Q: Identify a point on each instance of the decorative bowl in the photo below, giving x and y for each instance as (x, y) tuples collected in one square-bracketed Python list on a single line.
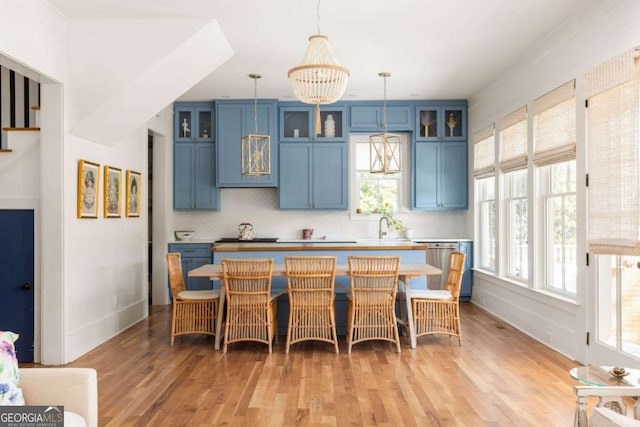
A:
[(618, 373), (184, 234)]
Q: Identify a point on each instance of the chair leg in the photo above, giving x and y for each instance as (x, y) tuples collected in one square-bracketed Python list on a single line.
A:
[(332, 319), (351, 314), (288, 343), (226, 332), (395, 333), (173, 323), (272, 327)]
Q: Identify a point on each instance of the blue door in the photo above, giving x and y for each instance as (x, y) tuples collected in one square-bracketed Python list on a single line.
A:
[(16, 278)]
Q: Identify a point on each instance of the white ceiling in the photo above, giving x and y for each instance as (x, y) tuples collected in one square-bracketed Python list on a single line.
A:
[(434, 49)]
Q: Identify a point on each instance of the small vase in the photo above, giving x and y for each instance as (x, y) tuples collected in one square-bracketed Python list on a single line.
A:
[(329, 127)]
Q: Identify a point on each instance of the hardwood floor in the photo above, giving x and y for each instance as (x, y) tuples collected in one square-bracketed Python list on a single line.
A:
[(499, 377)]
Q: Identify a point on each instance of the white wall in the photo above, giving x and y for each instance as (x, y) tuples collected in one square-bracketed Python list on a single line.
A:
[(20, 169), (91, 274), (40, 49), (105, 258), (590, 38)]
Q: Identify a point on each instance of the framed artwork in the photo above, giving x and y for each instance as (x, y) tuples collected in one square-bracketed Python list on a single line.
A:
[(112, 191), (134, 190), (88, 185)]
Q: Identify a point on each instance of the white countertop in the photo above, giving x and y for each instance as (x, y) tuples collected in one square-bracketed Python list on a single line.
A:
[(344, 240)]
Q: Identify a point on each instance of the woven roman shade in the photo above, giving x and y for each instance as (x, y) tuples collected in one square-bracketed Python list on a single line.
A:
[(555, 125), (513, 141), (484, 152), (612, 90)]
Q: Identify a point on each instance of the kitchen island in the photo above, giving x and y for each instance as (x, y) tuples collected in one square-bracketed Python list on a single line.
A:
[(409, 253), (405, 275)]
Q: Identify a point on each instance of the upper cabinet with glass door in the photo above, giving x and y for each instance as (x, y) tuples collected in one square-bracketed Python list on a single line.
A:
[(193, 121), (298, 123), (440, 121)]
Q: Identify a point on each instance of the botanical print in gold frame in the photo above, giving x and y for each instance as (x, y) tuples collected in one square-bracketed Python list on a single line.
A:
[(112, 192), (88, 185), (134, 190)]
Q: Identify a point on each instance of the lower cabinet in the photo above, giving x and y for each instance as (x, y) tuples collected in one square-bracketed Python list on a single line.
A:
[(194, 185), (467, 275), (313, 176), (439, 176), (194, 255)]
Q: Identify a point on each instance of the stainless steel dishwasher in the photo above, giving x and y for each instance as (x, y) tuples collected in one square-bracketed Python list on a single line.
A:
[(438, 255)]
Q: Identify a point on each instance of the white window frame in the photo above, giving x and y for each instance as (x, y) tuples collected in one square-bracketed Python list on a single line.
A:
[(483, 204), (402, 178), (547, 231), (510, 202)]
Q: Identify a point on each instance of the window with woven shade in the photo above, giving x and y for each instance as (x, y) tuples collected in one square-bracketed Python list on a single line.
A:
[(484, 172), (613, 93), (484, 149), (513, 141), (513, 163), (554, 126)]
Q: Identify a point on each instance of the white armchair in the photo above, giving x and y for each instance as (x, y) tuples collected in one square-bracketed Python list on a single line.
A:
[(75, 388)]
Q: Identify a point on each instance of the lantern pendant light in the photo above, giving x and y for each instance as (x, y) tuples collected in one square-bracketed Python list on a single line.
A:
[(384, 148), (256, 149), (319, 79)]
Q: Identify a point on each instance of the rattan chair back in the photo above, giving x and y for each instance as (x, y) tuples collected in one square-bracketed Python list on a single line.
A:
[(176, 278), (311, 286), (251, 312), (371, 306), (456, 269)]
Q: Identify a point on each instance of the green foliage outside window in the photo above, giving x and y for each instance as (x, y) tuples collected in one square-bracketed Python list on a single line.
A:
[(379, 195)]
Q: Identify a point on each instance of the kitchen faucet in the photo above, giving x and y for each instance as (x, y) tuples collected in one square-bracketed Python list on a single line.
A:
[(380, 232)]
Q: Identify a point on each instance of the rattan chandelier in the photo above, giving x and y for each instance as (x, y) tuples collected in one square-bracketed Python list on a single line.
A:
[(384, 148), (319, 79), (256, 149)]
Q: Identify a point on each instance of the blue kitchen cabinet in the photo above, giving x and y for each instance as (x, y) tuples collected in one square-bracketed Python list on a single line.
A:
[(439, 176), (193, 122), (194, 157), (441, 121), (370, 116), (194, 177), (194, 255), (313, 176), (467, 275), (298, 123), (234, 119)]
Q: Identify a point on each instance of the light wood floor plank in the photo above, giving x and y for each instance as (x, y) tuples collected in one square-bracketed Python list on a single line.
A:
[(498, 377)]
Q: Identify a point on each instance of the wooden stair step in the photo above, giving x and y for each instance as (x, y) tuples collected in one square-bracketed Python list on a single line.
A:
[(20, 129), (5, 150)]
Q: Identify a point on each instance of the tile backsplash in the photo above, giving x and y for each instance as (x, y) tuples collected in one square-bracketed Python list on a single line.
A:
[(259, 206)]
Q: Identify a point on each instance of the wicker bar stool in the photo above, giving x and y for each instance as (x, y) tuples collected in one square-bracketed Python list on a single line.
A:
[(371, 305), (194, 312), (438, 311), (311, 285), (251, 308)]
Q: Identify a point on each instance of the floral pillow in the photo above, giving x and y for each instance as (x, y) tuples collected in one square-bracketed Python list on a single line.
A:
[(10, 392)]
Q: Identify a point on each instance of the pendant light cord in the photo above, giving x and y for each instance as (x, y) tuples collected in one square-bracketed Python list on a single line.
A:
[(255, 104), (318, 16), (384, 107)]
